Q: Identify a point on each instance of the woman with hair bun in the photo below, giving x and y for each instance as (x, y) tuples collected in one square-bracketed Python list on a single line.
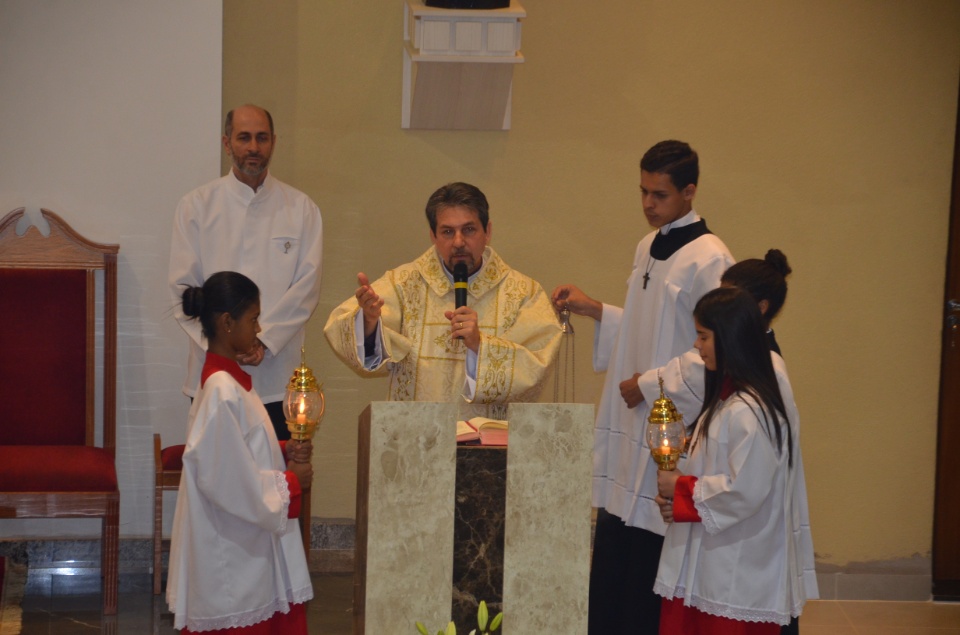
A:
[(237, 564), (766, 281)]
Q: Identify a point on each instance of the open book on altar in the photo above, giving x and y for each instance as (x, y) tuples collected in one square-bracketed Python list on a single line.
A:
[(482, 431)]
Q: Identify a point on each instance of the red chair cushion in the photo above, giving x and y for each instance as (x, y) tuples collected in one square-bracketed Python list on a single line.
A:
[(171, 458), (56, 468)]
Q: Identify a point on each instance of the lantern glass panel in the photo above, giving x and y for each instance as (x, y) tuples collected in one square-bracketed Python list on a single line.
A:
[(308, 404)]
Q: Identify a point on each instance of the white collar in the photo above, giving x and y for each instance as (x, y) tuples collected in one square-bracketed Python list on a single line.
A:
[(689, 218), (250, 191)]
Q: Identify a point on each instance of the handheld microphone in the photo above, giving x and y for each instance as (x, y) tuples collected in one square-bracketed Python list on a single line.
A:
[(460, 284)]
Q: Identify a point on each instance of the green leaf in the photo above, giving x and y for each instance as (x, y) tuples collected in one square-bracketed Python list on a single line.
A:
[(422, 629), (495, 624), (451, 629), (482, 616)]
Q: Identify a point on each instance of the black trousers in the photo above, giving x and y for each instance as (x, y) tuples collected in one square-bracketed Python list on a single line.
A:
[(625, 563)]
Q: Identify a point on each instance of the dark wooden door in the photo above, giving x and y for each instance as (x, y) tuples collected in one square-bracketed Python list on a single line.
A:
[(946, 515)]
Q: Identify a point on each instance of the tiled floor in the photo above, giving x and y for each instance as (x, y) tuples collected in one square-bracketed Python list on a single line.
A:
[(837, 617), (62, 604)]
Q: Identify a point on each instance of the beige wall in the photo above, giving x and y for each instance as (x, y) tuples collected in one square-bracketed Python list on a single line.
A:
[(824, 128)]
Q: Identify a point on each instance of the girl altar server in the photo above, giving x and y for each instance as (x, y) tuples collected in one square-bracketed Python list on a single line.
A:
[(236, 560), (732, 562)]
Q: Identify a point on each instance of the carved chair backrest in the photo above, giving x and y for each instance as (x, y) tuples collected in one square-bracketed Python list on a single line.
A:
[(49, 345)]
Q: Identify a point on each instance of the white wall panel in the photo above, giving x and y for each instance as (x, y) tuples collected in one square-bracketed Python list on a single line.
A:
[(110, 113)]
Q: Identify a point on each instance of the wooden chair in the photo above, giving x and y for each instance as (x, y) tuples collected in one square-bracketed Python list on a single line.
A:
[(51, 465), (167, 465)]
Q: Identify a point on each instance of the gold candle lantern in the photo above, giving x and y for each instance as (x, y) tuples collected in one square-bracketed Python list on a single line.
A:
[(666, 434), (303, 404)]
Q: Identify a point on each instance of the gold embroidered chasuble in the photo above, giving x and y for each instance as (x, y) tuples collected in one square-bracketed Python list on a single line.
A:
[(519, 334)]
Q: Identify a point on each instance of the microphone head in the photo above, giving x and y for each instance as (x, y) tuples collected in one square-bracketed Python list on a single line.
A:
[(460, 272)]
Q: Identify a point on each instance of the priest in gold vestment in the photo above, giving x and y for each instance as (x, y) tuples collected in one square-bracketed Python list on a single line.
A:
[(495, 350)]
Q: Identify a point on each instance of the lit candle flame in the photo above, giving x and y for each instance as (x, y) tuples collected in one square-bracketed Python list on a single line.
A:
[(302, 416)]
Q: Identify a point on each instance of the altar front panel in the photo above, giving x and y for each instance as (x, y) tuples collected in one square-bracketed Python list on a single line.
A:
[(546, 567), (405, 501)]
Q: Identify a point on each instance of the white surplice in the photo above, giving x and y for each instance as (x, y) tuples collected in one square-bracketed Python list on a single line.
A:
[(654, 326), (683, 381), (235, 557), (751, 557)]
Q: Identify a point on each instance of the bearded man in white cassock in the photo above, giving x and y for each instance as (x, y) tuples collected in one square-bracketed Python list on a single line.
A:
[(494, 350)]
